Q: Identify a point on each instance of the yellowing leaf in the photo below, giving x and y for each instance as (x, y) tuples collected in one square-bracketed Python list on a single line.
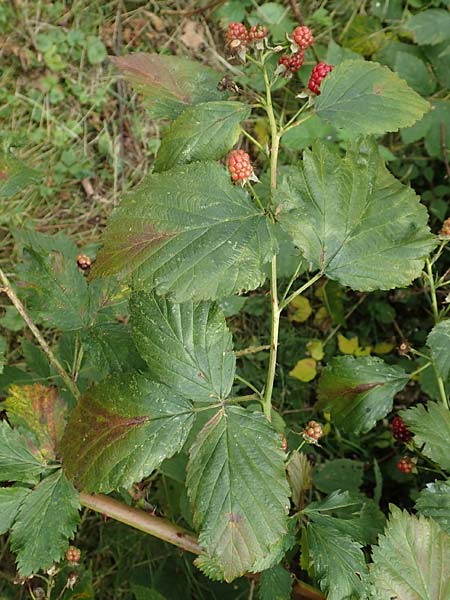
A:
[(383, 348), (315, 348), (261, 131), (305, 370), (363, 351), (40, 413), (302, 308), (321, 316), (348, 346)]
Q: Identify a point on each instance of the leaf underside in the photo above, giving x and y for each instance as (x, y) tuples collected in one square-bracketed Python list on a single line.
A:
[(353, 220)]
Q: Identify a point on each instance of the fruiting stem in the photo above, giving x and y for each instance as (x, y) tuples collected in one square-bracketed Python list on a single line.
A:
[(8, 290), (436, 316), (275, 325)]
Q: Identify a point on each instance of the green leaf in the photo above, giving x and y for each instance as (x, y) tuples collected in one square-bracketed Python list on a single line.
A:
[(430, 128), (202, 132), (3, 348), (186, 345), (352, 515), (96, 51), (17, 462), (431, 428), (169, 84), (238, 490), (339, 474), (337, 562), (434, 502), (46, 520), (121, 430), (11, 499), (359, 391), (40, 413), (275, 584), (15, 176), (275, 17), (353, 219), (58, 292), (430, 27), (415, 72), (439, 343), (188, 232), (412, 559), (366, 97)]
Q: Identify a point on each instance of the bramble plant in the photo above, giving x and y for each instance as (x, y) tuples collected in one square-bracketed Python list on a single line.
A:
[(222, 210)]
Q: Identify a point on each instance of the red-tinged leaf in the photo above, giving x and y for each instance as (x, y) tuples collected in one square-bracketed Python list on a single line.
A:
[(169, 84), (39, 413), (121, 430)]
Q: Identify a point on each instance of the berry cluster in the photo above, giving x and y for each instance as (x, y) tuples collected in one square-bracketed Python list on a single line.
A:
[(239, 165), (238, 38), (405, 465), (399, 430), (313, 431), (318, 74), (302, 38), (291, 64)]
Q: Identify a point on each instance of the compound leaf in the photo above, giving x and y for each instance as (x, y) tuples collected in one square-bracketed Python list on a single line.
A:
[(412, 559), (169, 84), (353, 220), (203, 132), (121, 430), (439, 342), (337, 562), (38, 412), (47, 519), (366, 97), (10, 500), (434, 502), (17, 461), (359, 391), (238, 490), (431, 429), (190, 233), (187, 345)]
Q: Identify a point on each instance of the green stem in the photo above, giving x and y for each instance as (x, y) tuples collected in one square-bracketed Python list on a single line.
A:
[(249, 385), (253, 140), (292, 279), (302, 289), (255, 196), (436, 316), (297, 123), (420, 369), (275, 145)]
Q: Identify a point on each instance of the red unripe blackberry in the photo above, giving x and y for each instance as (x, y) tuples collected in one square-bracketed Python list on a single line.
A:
[(73, 554), (84, 262), (313, 430), (303, 37), (292, 63), (318, 74), (399, 430), (405, 465), (239, 165), (445, 230), (257, 32), (284, 444), (237, 36)]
